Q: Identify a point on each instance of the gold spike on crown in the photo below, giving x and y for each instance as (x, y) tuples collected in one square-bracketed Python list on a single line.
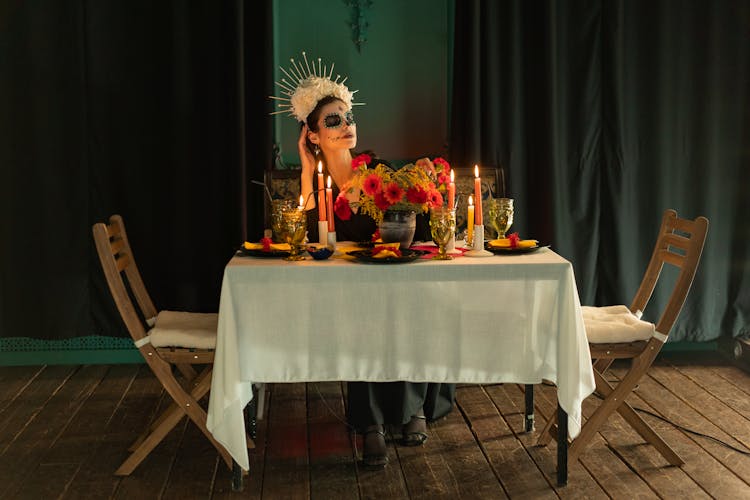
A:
[(307, 85)]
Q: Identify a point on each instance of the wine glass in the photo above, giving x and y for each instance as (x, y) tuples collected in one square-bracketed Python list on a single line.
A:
[(442, 227), (293, 230), (501, 215)]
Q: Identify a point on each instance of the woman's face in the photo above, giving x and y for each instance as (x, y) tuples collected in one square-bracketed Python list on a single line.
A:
[(336, 128)]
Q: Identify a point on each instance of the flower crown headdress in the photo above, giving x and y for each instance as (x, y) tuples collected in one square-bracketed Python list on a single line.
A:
[(307, 86)]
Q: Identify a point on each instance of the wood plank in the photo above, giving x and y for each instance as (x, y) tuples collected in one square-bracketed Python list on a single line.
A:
[(468, 465), (333, 471), (286, 468), (509, 400), (152, 475), (22, 456), (514, 467), (645, 460), (61, 462), (95, 478), (719, 420), (194, 468), (29, 402), (715, 478), (13, 381)]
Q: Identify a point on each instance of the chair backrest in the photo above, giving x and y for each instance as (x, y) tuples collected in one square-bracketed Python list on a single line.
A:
[(680, 243), (282, 185), (117, 259), (464, 179)]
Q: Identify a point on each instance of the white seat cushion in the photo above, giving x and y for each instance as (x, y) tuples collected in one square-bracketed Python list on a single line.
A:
[(613, 324), (185, 329)]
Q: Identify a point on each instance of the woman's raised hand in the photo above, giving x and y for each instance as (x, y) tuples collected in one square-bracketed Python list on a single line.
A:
[(307, 159), (426, 165)]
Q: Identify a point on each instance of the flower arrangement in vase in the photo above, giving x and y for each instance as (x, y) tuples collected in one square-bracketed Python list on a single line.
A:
[(415, 187)]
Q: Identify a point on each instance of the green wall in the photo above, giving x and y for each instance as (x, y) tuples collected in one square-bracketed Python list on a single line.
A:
[(401, 72)]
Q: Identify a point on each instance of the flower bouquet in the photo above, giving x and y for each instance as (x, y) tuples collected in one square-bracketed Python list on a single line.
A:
[(414, 187)]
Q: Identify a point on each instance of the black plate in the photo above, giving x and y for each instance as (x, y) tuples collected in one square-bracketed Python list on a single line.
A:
[(406, 256), (507, 251), (262, 253)]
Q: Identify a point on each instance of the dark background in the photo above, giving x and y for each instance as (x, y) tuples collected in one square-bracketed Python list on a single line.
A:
[(603, 114)]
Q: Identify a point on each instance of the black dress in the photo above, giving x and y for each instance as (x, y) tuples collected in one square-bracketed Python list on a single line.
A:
[(386, 403)]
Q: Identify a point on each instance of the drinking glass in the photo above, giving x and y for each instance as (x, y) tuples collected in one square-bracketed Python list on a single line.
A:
[(500, 211), (278, 207), (442, 227), (293, 229)]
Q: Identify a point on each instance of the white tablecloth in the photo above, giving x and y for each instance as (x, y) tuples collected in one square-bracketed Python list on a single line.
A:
[(472, 320)]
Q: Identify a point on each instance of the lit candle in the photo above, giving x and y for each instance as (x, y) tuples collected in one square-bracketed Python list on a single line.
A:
[(470, 222), (301, 203), (329, 204), (478, 197), (451, 192), (321, 194)]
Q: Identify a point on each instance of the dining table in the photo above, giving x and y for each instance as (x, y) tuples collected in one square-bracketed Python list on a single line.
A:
[(507, 318)]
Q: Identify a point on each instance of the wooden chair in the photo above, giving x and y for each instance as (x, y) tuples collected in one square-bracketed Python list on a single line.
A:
[(282, 185), (618, 332), (464, 179), (168, 340)]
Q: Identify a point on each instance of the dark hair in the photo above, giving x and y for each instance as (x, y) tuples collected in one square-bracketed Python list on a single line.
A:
[(312, 118)]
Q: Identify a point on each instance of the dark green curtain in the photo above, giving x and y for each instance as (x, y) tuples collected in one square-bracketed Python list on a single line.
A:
[(605, 113), (136, 108)]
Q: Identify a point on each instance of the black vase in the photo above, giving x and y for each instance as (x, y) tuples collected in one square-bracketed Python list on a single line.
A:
[(398, 226)]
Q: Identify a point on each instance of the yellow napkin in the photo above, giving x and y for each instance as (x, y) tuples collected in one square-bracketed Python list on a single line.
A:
[(505, 243), (282, 247), (387, 250)]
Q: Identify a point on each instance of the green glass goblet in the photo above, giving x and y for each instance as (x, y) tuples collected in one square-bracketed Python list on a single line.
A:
[(500, 211), (442, 228), (293, 230)]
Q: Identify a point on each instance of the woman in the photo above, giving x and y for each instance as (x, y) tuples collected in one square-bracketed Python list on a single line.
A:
[(328, 134)]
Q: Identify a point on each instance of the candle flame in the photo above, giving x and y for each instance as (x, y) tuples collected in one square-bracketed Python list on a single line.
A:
[(329, 182), (471, 201), (320, 167), (452, 177), (476, 171), (301, 200)]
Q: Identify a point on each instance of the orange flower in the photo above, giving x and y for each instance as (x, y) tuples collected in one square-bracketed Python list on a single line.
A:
[(372, 185)]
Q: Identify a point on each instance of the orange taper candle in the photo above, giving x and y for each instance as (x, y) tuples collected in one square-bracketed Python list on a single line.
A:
[(329, 203), (321, 194), (477, 197)]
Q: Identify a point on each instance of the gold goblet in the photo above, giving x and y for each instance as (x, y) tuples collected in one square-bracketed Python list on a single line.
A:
[(293, 230), (278, 207), (442, 227), (501, 215)]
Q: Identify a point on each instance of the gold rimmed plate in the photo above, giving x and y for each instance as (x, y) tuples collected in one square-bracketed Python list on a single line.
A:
[(407, 255), (270, 254), (512, 251)]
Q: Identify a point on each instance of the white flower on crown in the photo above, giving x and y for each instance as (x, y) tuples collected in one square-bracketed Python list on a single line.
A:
[(314, 88), (307, 85)]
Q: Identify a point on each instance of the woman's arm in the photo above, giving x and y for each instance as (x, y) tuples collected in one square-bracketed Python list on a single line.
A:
[(308, 169)]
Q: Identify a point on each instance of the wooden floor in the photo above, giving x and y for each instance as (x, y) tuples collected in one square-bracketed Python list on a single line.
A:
[(65, 429)]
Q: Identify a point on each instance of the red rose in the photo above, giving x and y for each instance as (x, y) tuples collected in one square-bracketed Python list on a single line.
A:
[(442, 162), (266, 242), (513, 240), (342, 208), (360, 159)]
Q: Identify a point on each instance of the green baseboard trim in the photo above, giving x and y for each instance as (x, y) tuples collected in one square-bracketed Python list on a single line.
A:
[(93, 349), (686, 346)]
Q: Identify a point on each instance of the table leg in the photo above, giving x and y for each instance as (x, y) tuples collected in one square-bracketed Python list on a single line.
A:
[(562, 446), (529, 396), (237, 483)]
